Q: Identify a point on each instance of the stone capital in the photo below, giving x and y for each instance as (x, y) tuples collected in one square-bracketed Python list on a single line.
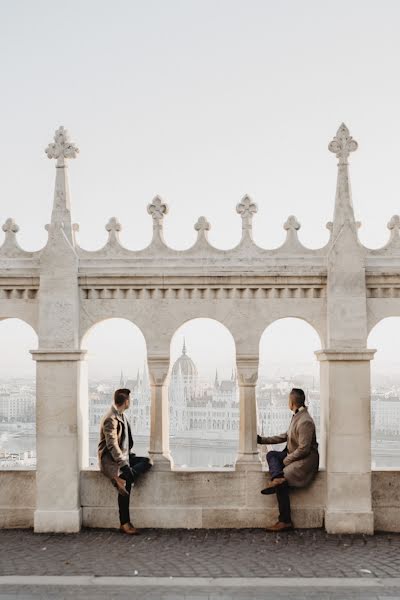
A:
[(158, 369), (344, 354), (247, 370)]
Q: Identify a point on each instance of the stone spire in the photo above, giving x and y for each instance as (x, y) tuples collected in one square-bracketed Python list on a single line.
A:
[(341, 145), (216, 382), (61, 149), (184, 346), (121, 379)]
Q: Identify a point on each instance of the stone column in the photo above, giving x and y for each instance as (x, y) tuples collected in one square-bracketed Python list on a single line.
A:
[(159, 420), (60, 418), (346, 420), (247, 372), (58, 424), (345, 364)]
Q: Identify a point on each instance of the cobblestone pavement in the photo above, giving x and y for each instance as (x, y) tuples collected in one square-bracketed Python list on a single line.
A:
[(78, 593), (199, 553)]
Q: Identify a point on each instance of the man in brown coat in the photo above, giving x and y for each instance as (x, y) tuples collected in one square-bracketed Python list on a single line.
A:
[(297, 464), (116, 460)]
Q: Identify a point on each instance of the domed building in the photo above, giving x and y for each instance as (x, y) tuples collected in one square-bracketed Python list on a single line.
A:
[(182, 389), (185, 367)]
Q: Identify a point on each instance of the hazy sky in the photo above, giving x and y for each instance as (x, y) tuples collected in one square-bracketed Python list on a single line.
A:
[(200, 101)]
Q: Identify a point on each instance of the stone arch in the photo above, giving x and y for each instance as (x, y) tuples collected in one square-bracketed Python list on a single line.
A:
[(297, 370), (201, 379), (18, 393), (385, 393), (118, 353)]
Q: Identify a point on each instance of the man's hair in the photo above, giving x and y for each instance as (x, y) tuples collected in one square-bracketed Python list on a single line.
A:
[(298, 396), (120, 396)]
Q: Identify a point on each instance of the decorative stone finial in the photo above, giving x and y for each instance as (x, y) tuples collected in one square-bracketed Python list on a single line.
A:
[(342, 144), (202, 224), (113, 225), (246, 209), (62, 147), (157, 209), (291, 224), (394, 228), (10, 247), (10, 227), (394, 223)]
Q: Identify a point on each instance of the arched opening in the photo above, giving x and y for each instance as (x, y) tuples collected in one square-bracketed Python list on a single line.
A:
[(385, 394), (17, 395), (287, 360), (203, 395), (117, 358)]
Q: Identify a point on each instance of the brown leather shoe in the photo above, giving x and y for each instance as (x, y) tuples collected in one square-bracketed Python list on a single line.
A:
[(279, 526), (273, 485), (129, 529), (119, 483)]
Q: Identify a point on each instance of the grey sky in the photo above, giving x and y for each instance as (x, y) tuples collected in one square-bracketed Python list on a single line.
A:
[(200, 101)]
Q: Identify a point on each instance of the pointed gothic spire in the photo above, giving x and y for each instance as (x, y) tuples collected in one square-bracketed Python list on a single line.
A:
[(61, 149), (341, 145), (216, 382), (184, 346), (121, 379)]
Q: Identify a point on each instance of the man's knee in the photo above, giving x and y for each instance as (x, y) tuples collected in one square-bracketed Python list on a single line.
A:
[(271, 454)]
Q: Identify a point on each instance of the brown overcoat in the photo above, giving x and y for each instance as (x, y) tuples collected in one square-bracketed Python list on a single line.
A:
[(112, 434), (302, 460)]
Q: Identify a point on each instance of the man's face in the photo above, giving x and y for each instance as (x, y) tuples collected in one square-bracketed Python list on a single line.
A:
[(127, 402), (291, 403)]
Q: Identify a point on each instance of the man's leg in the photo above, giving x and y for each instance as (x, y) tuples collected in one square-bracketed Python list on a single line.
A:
[(123, 505), (139, 465), (275, 463), (282, 494)]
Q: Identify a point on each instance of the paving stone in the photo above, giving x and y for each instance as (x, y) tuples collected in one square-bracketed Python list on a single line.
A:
[(199, 553)]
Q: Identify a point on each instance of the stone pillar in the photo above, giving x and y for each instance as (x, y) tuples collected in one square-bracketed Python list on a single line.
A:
[(159, 420), (60, 418), (345, 364), (58, 423), (247, 372), (346, 420)]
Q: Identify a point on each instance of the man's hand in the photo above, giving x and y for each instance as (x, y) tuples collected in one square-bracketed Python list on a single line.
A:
[(286, 461), (259, 439)]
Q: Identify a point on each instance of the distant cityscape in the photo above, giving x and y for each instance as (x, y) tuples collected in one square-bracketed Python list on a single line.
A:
[(203, 413)]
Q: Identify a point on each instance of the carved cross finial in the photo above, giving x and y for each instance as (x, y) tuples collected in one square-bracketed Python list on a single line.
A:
[(113, 225), (10, 227), (291, 224), (394, 223), (202, 224), (62, 147), (157, 209), (246, 209), (342, 144)]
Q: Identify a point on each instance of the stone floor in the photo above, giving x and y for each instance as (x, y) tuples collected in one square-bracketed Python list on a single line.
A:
[(199, 560)]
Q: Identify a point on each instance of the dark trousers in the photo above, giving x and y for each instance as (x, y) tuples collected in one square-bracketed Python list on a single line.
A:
[(139, 465), (275, 464)]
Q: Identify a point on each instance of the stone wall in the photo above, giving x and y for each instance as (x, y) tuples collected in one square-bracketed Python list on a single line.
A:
[(195, 499)]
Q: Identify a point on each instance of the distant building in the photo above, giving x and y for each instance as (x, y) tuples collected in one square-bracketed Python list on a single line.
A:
[(17, 405)]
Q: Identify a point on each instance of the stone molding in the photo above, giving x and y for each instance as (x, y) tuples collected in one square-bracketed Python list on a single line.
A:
[(58, 355), (345, 354)]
